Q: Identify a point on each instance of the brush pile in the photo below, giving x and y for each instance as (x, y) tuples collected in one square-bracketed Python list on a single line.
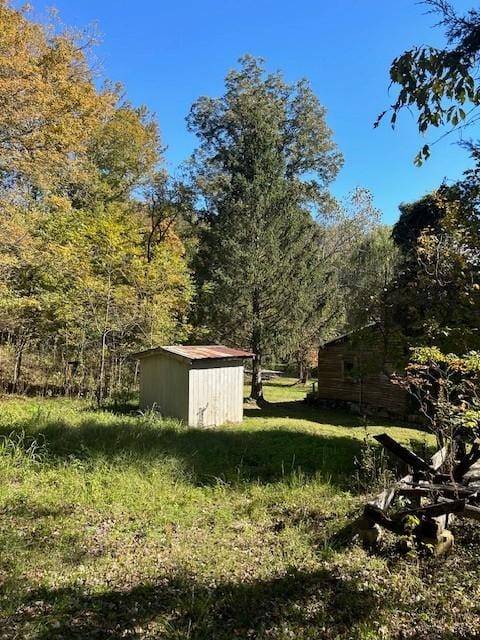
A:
[(435, 491)]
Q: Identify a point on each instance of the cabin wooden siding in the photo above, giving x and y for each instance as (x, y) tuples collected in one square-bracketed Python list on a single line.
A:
[(373, 389)]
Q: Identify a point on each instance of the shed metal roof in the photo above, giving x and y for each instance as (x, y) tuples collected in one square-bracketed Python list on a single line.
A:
[(197, 352)]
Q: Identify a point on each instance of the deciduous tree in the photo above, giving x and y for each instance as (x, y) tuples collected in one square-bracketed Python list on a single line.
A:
[(442, 85)]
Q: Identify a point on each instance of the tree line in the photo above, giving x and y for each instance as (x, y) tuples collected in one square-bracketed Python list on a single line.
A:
[(435, 296), (102, 253), (88, 269)]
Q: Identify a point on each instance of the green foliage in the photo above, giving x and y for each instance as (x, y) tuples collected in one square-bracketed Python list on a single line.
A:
[(123, 152), (441, 84), (446, 388), (368, 272), (83, 278), (468, 364), (264, 162), (435, 296), (17, 449), (415, 218), (372, 471), (436, 292), (357, 259), (50, 105), (410, 522), (89, 282)]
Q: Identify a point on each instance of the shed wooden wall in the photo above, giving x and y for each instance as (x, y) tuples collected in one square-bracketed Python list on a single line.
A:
[(216, 393), (164, 384), (204, 393), (374, 389)]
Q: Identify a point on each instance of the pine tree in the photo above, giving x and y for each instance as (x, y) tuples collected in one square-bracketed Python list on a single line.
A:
[(263, 166)]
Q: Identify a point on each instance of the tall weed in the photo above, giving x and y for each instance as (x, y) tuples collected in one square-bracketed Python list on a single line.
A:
[(18, 449), (372, 472)]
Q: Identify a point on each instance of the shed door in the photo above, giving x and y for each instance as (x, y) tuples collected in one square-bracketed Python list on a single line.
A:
[(216, 395)]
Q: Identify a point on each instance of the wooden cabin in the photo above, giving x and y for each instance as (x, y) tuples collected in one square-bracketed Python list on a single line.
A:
[(354, 372)]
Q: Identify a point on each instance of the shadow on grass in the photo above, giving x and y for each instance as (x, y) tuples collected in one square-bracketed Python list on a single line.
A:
[(299, 410), (181, 607), (259, 455), (250, 452)]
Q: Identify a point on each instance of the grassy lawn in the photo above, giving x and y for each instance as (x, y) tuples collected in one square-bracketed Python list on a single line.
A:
[(126, 526), (283, 390)]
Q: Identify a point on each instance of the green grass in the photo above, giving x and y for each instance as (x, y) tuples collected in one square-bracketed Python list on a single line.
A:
[(283, 390), (126, 526)]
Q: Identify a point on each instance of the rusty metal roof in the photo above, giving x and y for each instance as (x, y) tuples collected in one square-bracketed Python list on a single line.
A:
[(197, 352)]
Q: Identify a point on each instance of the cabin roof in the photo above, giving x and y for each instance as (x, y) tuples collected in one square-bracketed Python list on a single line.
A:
[(344, 337)]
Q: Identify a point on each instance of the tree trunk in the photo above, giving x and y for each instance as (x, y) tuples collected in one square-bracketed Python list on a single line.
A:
[(119, 374), (17, 369), (305, 376), (301, 371), (81, 379), (256, 392), (135, 375), (101, 377), (112, 375)]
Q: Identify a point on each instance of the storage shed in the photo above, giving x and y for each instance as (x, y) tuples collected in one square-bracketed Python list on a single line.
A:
[(201, 385)]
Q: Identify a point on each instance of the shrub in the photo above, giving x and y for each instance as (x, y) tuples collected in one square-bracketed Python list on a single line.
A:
[(446, 389)]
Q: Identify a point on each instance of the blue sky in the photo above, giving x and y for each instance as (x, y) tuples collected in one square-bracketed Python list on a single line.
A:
[(167, 54)]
